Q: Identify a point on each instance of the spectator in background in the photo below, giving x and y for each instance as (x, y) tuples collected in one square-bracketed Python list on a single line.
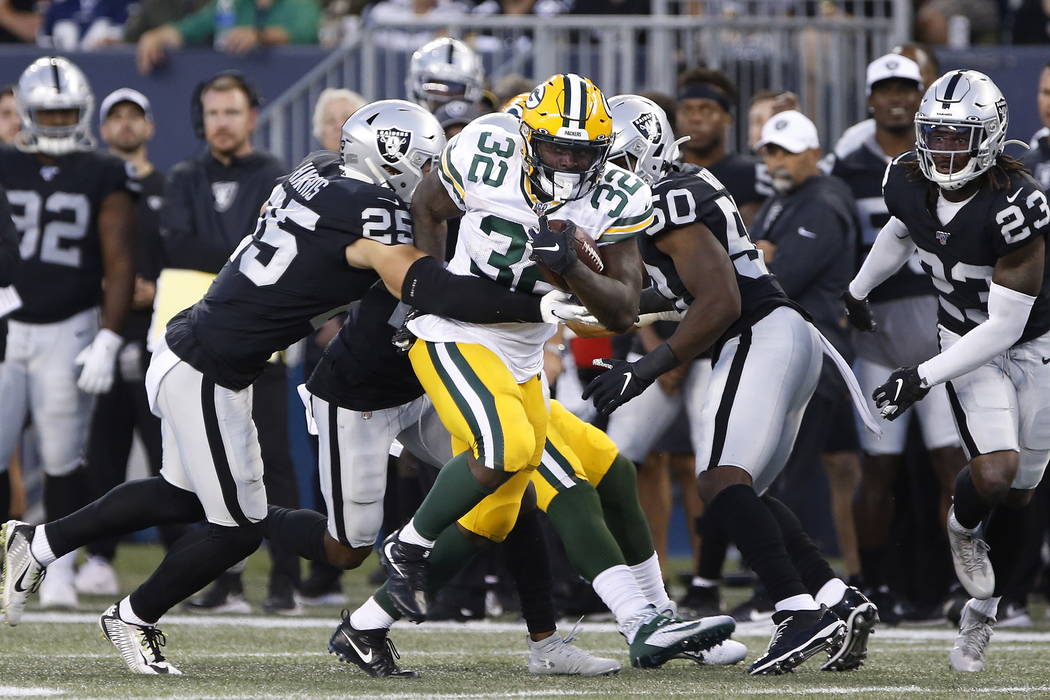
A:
[(763, 105), (150, 14), (610, 7), (19, 21), (455, 115), (85, 25), (334, 106), (1038, 157), (394, 12), (10, 122), (234, 26), (933, 19)]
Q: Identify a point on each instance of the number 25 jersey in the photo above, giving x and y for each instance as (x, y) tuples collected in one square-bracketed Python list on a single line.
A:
[(482, 171), (960, 255)]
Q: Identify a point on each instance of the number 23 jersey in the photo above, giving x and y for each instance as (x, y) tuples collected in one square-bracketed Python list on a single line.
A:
[(960, 255), (482, 171)]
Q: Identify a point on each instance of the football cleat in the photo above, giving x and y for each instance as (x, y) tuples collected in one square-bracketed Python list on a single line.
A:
[(975, 630), (406, 569), (224, 596), (22, 573), (970, 557), (799, 635), (57, 590), (139, 645), (371, 650), (727, 653), (557, 656), (96, 577), (700, 601), (654, 639), (860, 616)]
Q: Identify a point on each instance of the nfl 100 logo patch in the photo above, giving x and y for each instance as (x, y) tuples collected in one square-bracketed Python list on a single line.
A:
[(942, 237)]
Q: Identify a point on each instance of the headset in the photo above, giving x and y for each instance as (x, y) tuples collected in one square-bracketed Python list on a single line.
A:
[(197, 107)]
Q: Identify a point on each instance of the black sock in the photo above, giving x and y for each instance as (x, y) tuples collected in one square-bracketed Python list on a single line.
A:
[(65, 494), (196, 560), (757, 535), (873, 567), (5, 494), (529, 566), (714, 542), (300, 531), (970, 508), (811, 565), (1005, 537), (130, 507)]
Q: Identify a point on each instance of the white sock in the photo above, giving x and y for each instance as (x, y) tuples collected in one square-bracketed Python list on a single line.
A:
[(988, 608), (125, 613), (701, 582), (40, 548), (620, 592), (651, 582), (956, 525), (409, 535), (371, 616), (797, 602), (831, 592)]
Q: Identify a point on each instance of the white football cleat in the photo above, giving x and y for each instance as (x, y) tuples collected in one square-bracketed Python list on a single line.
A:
[(96, 577), (139, 645), (556, 655), (22, 573), (727, 653), (57, 590), (975, 630), (970, 557)]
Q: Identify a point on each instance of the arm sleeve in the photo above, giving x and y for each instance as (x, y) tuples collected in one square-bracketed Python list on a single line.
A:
[(1008, 312), (195, 28), (299, 18), (432, 289), (804, 254), (892, 248), (8, 242)]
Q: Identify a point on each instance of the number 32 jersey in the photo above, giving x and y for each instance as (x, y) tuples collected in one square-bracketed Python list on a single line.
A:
[(289, 275), (483, 172), (960, 255)]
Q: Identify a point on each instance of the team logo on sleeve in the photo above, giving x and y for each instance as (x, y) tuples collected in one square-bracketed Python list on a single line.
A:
[(224, 193), (942, 236), (648, 126), (393, 144)]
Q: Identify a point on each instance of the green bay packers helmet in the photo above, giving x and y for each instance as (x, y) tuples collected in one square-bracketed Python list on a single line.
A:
[(960, 128), (642, 137), (392, 142), (442, 70), (54, 83), (567, 130)]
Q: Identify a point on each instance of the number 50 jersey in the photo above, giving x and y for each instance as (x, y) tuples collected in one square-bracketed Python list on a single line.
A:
[(483, 173), (960, 255)]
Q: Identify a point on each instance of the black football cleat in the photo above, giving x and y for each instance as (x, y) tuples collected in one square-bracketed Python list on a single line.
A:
[(860, 616), (799, 635), (406, 570), (371, 650)]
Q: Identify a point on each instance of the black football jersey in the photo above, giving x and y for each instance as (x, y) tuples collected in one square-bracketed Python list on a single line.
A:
[(1038, 159), (862, 170), (290, 274), (360, 369), (744, 177), (690, 194), (960, 255), (55, 209)]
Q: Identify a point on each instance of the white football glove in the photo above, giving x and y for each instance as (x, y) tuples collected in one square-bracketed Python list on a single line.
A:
[(99, 362), (555, 307)]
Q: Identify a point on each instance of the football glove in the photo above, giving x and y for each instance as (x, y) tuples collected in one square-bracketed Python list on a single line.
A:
[(99, 362), (901, 390), (858, 311), (557, 307), (555, 249), (403, 338), (624, 380)]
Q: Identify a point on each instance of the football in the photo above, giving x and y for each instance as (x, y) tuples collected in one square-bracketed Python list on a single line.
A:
[(586, 251)]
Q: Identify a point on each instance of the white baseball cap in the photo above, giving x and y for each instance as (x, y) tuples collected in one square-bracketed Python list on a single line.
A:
[(124, 95), (893, 66), (791, 130)]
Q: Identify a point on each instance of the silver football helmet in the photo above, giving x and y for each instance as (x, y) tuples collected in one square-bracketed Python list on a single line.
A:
[(54, 83), (960, 128), (642, 137), (392, 142), (442, 70)]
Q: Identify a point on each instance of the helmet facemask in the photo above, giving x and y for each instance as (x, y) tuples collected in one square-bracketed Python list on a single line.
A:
[(952, 154), (563, 168)]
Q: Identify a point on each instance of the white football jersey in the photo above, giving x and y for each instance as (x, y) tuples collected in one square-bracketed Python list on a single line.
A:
[(483, 172)]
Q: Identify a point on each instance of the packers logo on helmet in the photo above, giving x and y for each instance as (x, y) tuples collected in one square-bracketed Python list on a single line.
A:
[(567, 130)]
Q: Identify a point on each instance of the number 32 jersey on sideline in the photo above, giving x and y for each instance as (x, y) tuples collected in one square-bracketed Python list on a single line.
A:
[(483, 173), (960, 255), (291, 274)]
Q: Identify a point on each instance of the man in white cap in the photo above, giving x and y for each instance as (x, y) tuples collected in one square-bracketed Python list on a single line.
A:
[(905, 309)]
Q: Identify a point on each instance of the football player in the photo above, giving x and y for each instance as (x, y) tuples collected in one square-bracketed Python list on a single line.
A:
[(505, 177), (326, 231), (767, 361), (443, 70), (979, 223), (74, 208)]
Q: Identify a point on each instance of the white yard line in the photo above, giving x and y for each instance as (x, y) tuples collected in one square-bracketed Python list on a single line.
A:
[(13, 691)]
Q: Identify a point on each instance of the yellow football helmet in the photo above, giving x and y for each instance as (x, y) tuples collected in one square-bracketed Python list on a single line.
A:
[(567, 129), (515, 105)]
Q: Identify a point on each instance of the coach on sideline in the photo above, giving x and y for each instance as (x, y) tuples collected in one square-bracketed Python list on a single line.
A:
[(807, 232)]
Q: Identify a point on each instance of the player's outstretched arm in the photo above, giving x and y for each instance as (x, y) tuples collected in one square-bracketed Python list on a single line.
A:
[(1016, 283), (613, 296), (892, 248), (431, 208), (116, 228)]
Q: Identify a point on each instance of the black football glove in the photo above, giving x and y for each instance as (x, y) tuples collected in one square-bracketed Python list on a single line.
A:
[(901, 390), (403, 338), (555, 249), (624, 380), (858, 311)]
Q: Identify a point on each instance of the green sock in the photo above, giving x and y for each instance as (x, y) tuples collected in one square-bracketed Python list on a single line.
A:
[(618, 491), (576, 514), (454, 493), (383, 598)]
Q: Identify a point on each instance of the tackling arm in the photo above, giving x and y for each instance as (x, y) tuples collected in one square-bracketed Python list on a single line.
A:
[(612, 297), (431, 208), (892, 248)]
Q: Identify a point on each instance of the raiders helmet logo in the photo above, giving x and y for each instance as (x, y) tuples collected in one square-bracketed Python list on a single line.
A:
[(648, 126), (942, 236), (393, 144), (781, 125), (224, 193)]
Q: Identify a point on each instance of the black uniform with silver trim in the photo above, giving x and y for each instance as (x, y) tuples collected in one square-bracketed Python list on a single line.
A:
[(1038, 158)]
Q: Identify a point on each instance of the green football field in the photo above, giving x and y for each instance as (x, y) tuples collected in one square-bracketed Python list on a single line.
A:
[(61, 654)]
